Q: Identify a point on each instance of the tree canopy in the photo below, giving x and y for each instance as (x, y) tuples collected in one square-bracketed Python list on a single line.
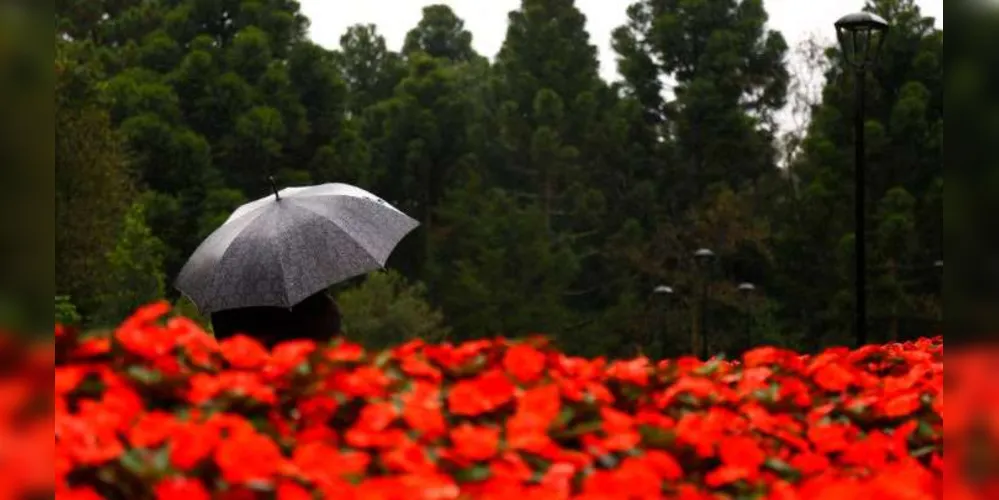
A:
[(551, 201)]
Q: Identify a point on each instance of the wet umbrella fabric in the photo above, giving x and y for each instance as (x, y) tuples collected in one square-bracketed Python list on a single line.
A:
[(278, 250)]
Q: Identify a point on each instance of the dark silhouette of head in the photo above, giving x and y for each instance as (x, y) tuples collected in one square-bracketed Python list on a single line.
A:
[(315, 318)]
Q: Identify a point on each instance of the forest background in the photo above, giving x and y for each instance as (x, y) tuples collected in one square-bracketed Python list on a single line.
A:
[(551, 200)]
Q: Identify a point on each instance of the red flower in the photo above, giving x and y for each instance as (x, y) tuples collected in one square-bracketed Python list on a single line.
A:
[(810, 463), (92, 347), (363, 382), (741, 451), (190, 443), (288, 356), (558, 479), (317, 409), (698, 387), (475, 443), (181, 488), (82, 493), (419, 368), (288, 490), (452, 358), (482, 394), (244, 353), (152, 429), (635, 371), (199, 346), (422, 409), (741, 458), (524, 362), (527, 429), (833, 377), (510, 466), (372, 423), (138, 336), (68, 378), (619, 431), (632, 479), (394, 425), (343, 351), (205, 387), (248, 456), (901, 405), (831, 437), (326, 466), (407, 457), (664, 464)]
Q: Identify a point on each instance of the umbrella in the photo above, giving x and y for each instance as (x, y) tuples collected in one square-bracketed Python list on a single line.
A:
[(279, 250)]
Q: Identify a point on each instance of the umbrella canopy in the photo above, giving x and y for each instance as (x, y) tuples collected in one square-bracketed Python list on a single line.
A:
[(278, 250)]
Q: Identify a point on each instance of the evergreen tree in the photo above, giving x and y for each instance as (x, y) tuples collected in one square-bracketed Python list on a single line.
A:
[(440, 34), (727, 79), (135, 270), (93, 187)]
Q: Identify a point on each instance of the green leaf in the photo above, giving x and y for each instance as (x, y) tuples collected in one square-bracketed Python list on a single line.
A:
[(471, 474), (580, 429), (781, 467), (303, 369), (564, 417), (133, 461), (925, 431), (145, 375), (655, 437)]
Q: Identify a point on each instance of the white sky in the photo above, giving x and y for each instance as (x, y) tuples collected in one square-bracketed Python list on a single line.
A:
[(486, 20)]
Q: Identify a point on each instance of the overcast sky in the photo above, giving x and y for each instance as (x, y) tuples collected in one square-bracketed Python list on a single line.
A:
[(486, 19)]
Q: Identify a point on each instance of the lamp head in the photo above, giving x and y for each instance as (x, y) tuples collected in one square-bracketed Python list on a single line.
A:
[(704, 254), (861, 36)]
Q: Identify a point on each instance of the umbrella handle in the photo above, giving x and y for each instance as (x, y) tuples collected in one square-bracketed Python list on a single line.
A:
[(273, 187)]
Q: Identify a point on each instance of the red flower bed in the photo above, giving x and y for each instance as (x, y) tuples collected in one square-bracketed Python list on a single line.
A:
[(159, 410)]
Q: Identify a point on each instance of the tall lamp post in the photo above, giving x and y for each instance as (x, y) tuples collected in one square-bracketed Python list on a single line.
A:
[(703, 257), (747, 289), (861, 36), (666, 292)]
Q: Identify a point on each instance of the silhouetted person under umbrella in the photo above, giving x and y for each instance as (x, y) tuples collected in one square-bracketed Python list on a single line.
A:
[(316, 318)]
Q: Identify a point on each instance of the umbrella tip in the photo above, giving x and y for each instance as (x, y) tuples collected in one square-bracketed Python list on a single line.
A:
[(270, 178)]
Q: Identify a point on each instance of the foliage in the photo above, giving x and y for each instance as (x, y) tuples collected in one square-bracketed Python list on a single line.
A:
[(162, 410), (493, 253), (385, 310), (135, 274), (65, 311), (94, 184)]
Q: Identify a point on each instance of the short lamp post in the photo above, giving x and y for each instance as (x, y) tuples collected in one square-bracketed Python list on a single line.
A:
[(666, 292), (861, 36), (747, 289), (704, 258)]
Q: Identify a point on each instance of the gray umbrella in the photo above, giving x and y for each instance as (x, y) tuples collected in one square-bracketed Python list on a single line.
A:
[(278, 250)]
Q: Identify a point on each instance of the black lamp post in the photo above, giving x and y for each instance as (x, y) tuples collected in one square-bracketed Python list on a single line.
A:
[(747, 289), (666, 292), (704, 257), (861, 36)]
